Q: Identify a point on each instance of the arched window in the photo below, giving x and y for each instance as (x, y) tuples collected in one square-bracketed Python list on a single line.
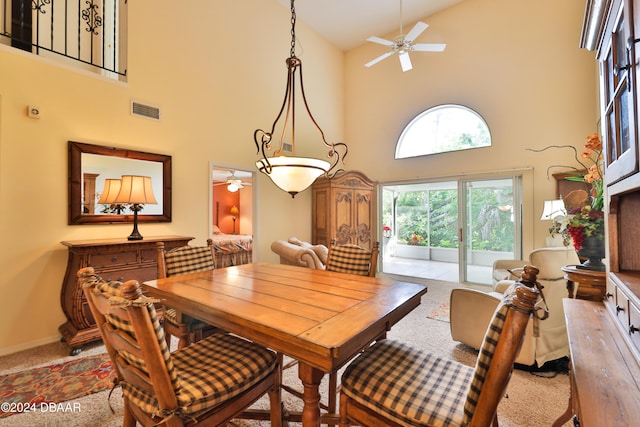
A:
[(443, 128)]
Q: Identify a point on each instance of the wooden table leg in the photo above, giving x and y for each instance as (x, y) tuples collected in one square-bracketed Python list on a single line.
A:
[(568, 414), (311, 378), (570, 287)]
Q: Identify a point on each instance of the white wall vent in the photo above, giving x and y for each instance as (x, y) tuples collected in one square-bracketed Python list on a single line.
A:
[(145, 110), (287, 148)]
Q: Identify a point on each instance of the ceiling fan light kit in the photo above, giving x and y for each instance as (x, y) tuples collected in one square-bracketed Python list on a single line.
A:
[(405, 43), (231, 180), (295, 174)]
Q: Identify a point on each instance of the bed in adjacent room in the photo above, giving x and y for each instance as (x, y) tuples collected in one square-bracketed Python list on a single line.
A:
[(232, 249)]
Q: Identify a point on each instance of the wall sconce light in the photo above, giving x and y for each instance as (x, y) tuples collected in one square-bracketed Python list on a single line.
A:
[(136, 191), (294, 174), (234, 212)]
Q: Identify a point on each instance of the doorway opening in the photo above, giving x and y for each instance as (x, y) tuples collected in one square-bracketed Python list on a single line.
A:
[(232, 215)]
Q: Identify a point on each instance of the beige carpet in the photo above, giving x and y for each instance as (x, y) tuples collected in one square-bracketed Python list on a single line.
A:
[(531, 400)]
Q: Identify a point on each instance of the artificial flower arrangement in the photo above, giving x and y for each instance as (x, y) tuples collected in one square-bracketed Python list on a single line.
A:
[(386, 231), (584, 208)]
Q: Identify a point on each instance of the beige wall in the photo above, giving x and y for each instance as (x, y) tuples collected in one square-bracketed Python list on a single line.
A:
[(516, 63), (216, 83)]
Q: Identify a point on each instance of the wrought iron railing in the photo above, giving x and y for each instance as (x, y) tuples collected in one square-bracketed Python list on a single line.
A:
[(91, 33)]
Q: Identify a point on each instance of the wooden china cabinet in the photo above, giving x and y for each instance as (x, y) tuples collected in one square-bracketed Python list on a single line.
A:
[(344, 208), (619, 57), (112, 259), (605, 338)]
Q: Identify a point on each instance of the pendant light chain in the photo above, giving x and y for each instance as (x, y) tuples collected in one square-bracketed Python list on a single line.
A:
[(290, 173), (293, 30)]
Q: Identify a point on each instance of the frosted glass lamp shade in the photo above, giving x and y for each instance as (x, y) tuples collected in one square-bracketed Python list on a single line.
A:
[(293, 174)]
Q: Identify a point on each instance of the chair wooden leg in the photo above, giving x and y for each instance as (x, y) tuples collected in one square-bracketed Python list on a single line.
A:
[(167, 336), (333, 394), (183, 341), (275, 400), (129, 420), (344, 420)]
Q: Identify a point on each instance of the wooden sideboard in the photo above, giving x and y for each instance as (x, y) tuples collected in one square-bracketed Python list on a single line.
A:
[(604, 371), (113, 259)]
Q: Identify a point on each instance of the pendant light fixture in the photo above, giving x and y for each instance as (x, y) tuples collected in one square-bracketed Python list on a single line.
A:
[(290, 173)]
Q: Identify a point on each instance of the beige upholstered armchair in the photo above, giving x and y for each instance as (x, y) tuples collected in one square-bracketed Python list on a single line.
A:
[(471, 309), (296, 252)]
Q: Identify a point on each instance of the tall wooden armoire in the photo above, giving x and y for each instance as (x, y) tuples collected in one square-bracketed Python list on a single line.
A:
[(344, 208)]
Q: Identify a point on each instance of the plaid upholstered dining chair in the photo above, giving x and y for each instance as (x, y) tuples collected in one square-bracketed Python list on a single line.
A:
[(392, 384), (175, 262), (353, 259), (206, 383), (349, 259)]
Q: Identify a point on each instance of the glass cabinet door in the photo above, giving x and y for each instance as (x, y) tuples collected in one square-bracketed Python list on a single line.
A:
[(618, 67)]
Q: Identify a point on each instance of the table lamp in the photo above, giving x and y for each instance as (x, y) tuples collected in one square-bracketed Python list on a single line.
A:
[(109, 194), (234, 212), (136, 191), (552, 209)]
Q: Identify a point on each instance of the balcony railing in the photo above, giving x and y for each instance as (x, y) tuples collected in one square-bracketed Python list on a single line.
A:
[(90, 33)]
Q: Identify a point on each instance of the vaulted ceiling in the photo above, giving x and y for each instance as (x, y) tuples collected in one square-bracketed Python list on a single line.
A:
[(348, 23)]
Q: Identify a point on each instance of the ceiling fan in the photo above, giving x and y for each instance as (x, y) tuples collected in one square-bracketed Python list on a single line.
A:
[(404, 43), (232, 181)]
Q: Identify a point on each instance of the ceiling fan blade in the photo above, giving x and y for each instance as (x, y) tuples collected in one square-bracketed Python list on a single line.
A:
[(429, 47), (405, 61), (378, 59), (416, 31), (379, 40)]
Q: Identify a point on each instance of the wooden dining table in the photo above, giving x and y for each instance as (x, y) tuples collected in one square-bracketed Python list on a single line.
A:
[(322, 319)]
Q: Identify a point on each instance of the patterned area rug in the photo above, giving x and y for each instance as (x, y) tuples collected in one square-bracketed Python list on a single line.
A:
[(29, 389), (441, 313)]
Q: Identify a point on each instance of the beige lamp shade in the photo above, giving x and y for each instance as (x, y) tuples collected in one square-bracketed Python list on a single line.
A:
[(110, 191), (136, 189), (552, 209), (234, 210)]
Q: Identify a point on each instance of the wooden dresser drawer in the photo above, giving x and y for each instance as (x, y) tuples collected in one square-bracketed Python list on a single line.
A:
[(141, 274), (622, 309), (113, 259), (149, 256), (634, 326)]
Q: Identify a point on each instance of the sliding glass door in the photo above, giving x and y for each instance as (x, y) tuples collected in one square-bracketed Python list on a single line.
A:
[(450, 230), (490, 226)]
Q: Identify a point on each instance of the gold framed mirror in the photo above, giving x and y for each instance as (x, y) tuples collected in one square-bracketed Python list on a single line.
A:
[(90, 165)]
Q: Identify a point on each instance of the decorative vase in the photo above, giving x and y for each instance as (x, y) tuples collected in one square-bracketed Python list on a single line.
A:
[(592, 249)]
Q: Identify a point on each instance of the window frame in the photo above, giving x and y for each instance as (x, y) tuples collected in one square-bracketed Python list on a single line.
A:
[(408, 140)]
